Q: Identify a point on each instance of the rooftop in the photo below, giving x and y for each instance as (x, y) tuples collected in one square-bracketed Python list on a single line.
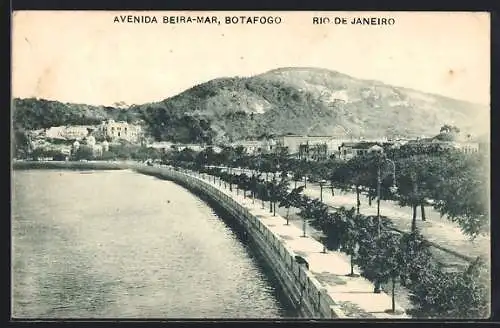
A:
[(364, 145)]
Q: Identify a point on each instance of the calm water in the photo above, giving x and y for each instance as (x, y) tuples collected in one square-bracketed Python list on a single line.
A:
[(110, 244)]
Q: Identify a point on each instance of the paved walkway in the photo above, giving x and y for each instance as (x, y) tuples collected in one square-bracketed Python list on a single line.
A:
[(436, 229), (354, 296)]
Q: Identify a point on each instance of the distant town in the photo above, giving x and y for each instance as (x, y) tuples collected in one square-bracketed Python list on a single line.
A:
[(107, 140)]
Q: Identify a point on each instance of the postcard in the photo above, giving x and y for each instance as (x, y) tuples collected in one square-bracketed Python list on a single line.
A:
[(250, 165)]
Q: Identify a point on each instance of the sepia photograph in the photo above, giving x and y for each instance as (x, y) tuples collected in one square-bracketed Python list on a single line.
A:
[(273, 165)]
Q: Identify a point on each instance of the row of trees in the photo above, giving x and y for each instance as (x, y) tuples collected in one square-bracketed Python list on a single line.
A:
[(85, 152), (122, 151), (383, 255), (454, 183)]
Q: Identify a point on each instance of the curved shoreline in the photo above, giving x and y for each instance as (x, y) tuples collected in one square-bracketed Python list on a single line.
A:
[(304, 290)]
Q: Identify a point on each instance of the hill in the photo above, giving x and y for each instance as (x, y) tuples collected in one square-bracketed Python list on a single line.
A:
[(291, 100), (32, 113)]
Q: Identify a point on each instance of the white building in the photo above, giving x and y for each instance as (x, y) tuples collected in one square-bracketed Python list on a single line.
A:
[(67, 132), (161, 145), (250, 146), (466, 147), (193, 147), (119, 130), (294, 142)]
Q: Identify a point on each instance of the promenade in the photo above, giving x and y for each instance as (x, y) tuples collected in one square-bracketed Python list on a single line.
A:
[(354, 295), (435, 229)]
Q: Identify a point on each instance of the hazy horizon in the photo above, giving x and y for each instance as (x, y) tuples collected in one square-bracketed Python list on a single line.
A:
[(98, 62)]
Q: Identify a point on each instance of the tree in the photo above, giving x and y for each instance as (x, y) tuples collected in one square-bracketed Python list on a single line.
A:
[(313, 210), (461, 189), (280, 189), (448, 133), (108, 155), (59, 157), (368, 243), (449, 129), (302, 170), (144, 153), (415, 257), (384, 259), (414, 176), (21, 143), (453, 295), (349, 234), (262, 191), (239, 153), (291, 200), (244, 183), (329, 225), (266, 166), (187, 155), (358, 171), (122, 151), (84, 152), (296, 177), (253, 183)]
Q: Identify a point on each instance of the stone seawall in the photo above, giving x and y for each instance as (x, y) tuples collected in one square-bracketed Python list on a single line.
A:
[(303, 290)]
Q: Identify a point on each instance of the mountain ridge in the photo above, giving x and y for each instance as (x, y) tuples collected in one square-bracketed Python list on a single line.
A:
[(374, 81), (299, 100)]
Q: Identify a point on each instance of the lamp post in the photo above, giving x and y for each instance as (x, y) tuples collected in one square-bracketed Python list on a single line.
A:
[(257, 182), (304, 222), (271, 193), (231, 175), (275, 188), (253, 185), (321, 183), (393, 188)]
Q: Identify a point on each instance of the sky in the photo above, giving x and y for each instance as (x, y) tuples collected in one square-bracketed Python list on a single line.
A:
[(85, 57)]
